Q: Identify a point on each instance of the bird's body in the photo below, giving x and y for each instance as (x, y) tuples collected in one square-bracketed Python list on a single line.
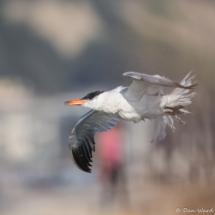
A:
[(115, 102), (143, 99)]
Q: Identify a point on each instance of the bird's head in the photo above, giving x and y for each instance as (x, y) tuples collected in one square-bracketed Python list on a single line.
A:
[(88, 100)]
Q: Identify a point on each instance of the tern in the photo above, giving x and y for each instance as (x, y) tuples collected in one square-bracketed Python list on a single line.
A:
[(143, 99)]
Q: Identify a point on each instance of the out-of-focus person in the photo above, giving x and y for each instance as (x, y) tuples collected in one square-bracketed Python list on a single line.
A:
[(111, 166)]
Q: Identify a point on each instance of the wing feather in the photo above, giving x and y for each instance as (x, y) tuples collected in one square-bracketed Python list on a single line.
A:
[(141, 82), (156, 79), (81, 140)]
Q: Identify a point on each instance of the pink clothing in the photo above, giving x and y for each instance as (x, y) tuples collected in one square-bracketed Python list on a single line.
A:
[(110, 148)]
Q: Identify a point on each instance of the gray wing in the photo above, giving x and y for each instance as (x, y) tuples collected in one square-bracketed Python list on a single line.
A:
[(81, 140), (142, 82)]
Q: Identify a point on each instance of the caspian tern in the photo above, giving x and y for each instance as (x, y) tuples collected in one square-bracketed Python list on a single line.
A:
[(143, 99)]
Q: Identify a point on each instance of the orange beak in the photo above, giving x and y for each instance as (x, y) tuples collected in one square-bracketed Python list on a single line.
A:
[(75, 102)]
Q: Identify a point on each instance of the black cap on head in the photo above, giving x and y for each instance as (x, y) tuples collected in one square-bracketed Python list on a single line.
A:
[(92, 95)]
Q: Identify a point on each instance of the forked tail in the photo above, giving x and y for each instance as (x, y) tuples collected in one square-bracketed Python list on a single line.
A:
[(173, 105)]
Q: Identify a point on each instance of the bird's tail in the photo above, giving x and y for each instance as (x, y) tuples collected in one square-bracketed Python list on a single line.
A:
[(173, 105)]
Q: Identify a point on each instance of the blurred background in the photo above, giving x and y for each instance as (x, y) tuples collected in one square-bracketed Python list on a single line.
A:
[(53, 51)]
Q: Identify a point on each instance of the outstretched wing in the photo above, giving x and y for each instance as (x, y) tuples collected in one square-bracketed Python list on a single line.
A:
[(142, 82), (81, 140)]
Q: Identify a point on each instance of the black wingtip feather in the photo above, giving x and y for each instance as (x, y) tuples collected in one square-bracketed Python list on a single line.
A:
[(80, 161), (87, 145), (91, 143), (87, 154), (82, 157)]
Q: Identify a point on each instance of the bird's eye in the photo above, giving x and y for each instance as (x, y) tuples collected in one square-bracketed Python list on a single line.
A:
[(92, 95)]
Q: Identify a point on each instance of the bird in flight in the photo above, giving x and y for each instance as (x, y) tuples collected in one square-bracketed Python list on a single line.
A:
[(143, 99)]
